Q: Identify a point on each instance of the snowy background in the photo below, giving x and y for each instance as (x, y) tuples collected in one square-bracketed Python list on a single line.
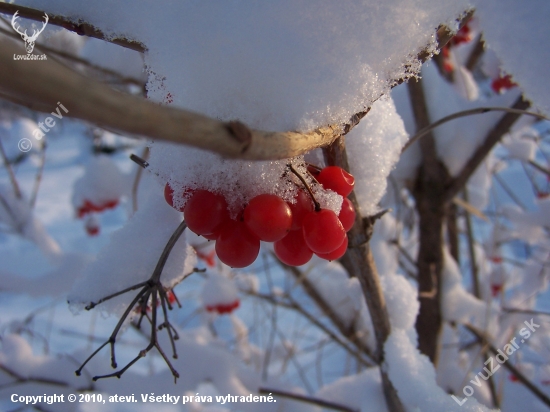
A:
[(282, 65)]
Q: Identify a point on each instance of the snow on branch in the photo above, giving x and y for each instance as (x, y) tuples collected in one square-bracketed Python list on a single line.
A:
[(44, 85)]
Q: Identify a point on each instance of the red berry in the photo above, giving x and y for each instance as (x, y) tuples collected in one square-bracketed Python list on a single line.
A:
[(110, 204), (92, 231), (292, 249), (448, 66), (336, 254), (205, 211), (495, 289), (221, 308), (299, 209), (92, 226), (236, 246), (462, 36), (323, 232), (347, 214), (169, 196), (268, 217), (502, 83), (209, 258), (336, 179), (496, 259)]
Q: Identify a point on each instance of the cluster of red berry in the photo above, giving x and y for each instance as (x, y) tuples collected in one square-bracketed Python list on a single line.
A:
[(221, 308), (462, 36), (298, 229), (89, 209), (502, 83)]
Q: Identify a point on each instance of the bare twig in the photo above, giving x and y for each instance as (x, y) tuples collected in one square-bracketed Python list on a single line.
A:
[(137, 179), (31, 379), (151, 289), (79, 27), (306, 186), (11, 174), (290, 303), (345, 328), (493, 137), (480, 110), (539, 168), (38, 177), (476, 53), (308, 399), (79, 60)]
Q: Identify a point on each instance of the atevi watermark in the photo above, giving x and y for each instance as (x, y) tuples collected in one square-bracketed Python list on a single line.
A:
[(501, 357), (43, 127), (29, 40)]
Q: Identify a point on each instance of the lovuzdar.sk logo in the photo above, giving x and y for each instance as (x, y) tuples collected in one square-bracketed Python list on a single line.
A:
[(29, 40)]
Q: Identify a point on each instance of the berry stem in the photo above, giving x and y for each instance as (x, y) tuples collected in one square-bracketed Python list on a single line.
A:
[(139, 161), (315, 202)]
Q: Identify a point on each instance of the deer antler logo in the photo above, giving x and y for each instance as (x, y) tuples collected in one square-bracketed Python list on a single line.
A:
[(29, 40)]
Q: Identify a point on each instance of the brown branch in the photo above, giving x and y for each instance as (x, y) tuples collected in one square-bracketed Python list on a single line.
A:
[(476, 53), (472, 251), (452, 231), (428, 193), (48, 82), (492, 138), (293, 305), (348, 331), (444, 34), (81, 28), (359, 263)]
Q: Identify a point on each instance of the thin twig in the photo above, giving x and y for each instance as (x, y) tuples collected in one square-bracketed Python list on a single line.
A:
[(493, 137), (79, 60), (137, 179), (521, 377), (306, 186), (308, 399), (80, 27), (38, 178), (150, 289), (539, 167), (293, 305), (480, 110), (11, 174)]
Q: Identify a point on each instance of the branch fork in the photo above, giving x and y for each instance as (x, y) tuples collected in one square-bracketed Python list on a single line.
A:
[(152, 291)]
